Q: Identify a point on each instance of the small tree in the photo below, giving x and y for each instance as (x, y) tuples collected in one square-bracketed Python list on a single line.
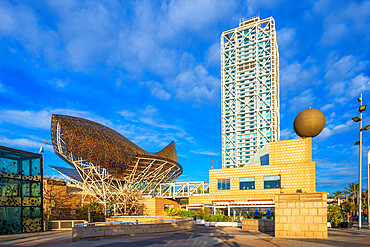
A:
[(58, 203), (96, 212), (335, 214), (348, 207)]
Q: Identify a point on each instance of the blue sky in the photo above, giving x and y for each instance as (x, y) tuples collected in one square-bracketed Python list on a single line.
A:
[(151, 71)]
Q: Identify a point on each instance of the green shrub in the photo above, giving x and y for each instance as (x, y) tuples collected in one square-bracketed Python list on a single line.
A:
[(207, 217), (335, 214), (96, 212), (219, 217), (257, 217), (237, 219)]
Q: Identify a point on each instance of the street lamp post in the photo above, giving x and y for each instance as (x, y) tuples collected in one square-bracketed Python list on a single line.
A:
[(368, 188), (360, 171), (359, 119)]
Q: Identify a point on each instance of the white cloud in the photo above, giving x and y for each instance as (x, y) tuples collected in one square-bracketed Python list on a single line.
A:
[(157, 90), (197, 15), (23, 143), (204, 152), (333, 33), (346, 21), (89, 34), (334, 129), (335, 174), (196, 84), (287, 133), (213, 55), (352, 88), (59, 82), (330, 118), (322, 6), (295, 74), (42, 119), (151, 121), (327, 107), (345, 78), (128, 114), (286, 37), (359, 84), (160, 93), (302, 101), (343, 68), (20, 22), (149, 116), (149, 136)]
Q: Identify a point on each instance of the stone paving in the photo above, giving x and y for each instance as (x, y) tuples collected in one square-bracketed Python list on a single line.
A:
[(200, 236)]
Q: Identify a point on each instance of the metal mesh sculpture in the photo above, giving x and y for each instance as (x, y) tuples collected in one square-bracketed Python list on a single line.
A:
[(108, 166)]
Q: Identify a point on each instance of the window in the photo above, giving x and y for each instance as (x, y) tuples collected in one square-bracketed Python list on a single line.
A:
[(272, 182), (264, 159), (246, 183), (223, 184)]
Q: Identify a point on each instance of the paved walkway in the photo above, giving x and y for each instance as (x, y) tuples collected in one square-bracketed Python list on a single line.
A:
[(200, 236)]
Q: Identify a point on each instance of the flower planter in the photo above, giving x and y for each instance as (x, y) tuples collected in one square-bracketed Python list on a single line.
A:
[(335, 225), (328, 224), (258, 225), (199, 222), (346, 224), (223, 224)]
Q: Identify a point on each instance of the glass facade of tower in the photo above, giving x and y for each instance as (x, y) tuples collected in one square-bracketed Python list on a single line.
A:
[(20, 191), (249, 90)]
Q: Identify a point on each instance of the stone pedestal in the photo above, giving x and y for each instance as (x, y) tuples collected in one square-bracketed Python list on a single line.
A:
[(258, 225), (301, 215)]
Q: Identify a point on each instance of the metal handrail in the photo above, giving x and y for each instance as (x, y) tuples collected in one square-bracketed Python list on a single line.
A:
[(144, 216), (130, 222)]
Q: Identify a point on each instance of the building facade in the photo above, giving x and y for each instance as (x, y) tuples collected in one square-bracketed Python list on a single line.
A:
[(249, 90), (290, 169), (20, 191)]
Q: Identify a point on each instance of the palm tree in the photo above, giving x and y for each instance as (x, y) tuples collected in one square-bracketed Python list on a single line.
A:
[(337, 195), (348, 207), (364, 202), (352, 191)]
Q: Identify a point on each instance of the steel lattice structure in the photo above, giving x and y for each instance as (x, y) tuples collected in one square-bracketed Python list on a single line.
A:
[(249, 90), (108, 166), (182, 189)]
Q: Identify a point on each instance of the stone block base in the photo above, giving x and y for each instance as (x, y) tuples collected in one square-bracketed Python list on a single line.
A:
[(258, 225)]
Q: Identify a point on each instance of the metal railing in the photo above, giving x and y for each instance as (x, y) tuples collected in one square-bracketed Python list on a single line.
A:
[(182, 189)]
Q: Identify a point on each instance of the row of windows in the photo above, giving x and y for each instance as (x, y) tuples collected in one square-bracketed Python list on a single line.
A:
[(270, 182)]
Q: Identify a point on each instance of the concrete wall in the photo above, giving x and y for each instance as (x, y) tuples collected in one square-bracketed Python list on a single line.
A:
[(140, 218), (258, 225), (301, 215), (291, 159), (62, 224), (107, 231)]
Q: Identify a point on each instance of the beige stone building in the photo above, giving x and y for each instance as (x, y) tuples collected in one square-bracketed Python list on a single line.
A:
[(286, 167)]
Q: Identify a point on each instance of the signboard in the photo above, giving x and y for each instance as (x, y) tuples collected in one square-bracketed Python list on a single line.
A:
[(251, 179), (272, 178)]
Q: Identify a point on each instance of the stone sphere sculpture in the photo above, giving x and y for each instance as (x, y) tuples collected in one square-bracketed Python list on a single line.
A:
[(309, 123)]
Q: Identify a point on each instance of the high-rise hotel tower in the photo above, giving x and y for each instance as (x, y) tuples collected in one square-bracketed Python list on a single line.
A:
[(249, 90)]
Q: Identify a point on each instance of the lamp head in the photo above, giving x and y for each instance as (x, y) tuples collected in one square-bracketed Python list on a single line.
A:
[(362, 108), (356, 119), (366, 127)]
